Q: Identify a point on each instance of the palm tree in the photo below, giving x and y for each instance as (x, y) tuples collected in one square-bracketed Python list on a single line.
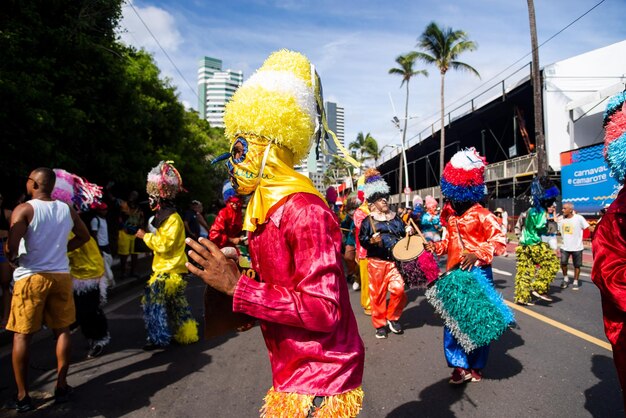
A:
[(371, 149), (406, 71), (358, 145), (442, 47), (537, 99)]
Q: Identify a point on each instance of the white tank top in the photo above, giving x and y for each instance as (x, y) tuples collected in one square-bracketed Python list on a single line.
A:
[(44, 247)]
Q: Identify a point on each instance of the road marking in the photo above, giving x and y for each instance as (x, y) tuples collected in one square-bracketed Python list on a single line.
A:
[(560, 326), (585, 274), (502, 272)]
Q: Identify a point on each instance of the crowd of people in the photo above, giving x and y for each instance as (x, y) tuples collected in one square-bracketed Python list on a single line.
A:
[(304, 254)]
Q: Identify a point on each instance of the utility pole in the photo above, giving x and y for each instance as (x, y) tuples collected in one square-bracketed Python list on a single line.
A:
[(540, 144)]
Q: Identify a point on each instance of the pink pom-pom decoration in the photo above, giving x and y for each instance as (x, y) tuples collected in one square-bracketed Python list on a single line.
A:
[(616, 126)]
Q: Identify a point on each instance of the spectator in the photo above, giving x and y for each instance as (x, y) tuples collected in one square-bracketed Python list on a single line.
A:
[(43, 286), (100, 231), (431, 223), (571, 226), (349, 255), (165, 308), (190, 218), (5, 267), (131, 220), (551, 227)]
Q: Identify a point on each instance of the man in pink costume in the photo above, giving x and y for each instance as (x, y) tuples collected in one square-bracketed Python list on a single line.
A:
[(302, 298), (609, 241)]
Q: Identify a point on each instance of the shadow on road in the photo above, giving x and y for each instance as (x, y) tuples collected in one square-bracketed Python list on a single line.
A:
[(435, 401), (607, 388)]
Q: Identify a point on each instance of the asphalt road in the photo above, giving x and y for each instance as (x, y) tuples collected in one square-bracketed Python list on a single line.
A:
[(540, 368)]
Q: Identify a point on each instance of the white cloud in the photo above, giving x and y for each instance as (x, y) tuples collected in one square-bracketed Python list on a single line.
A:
[(160, 23)]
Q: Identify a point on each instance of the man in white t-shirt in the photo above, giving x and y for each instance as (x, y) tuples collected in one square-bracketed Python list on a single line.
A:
[(571, 226)]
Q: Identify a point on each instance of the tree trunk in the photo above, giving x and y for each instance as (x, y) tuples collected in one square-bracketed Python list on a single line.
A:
[(540, 146), (442, 144)]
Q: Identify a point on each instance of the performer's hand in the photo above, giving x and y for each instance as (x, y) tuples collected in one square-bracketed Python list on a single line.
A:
[(140, 233), (409, 230), (468, 260), (216, 270), (430, 246)]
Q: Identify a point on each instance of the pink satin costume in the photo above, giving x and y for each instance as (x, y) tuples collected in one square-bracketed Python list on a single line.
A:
[(302, 300)]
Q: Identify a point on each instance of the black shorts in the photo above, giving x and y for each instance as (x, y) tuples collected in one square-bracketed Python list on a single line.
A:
[(577, 258)]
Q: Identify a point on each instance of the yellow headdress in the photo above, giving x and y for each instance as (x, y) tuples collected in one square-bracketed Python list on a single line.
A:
[(272, 121)]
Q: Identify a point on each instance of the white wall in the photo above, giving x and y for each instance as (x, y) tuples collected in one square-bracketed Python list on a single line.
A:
[(576, 80)]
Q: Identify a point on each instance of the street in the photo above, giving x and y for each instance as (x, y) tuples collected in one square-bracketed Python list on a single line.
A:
[(541, 367)]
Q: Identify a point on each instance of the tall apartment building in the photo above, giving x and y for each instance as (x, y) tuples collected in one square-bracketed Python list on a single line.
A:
[(314, 168), (215, 88)]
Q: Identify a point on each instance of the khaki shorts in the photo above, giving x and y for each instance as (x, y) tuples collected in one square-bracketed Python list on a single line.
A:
[(43, 298), (125, 243)]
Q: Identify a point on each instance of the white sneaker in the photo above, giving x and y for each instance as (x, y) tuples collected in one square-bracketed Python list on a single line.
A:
[(356, 286)]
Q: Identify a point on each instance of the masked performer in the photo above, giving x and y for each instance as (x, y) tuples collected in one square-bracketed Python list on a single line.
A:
[(164, 300), (227, 227), (86, 264), (536, 262), (474, 237), (379, 232), (302, 299), (609, 242)]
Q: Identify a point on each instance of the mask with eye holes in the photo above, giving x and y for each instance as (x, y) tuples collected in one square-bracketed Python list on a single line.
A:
[(245, 164)]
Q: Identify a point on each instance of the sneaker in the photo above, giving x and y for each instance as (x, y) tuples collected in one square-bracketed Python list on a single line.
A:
[(95, 351), (62, 395), (367, 312), (529, 303), (20, 405), (575, 286), (459, 376), (381, 332), (356, 286), (476, 375), (540, 296), (395, 327), (564, 284)]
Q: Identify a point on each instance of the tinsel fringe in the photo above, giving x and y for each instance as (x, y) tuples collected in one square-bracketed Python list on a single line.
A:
[(471, 308), (462, 193), (462, 177), (164, 303), (614, 104), (528, 277), (295, 405), (615, 155)]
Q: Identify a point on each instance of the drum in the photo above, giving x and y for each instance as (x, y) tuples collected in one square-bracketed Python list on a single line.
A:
[(417, 267), (470, 306)]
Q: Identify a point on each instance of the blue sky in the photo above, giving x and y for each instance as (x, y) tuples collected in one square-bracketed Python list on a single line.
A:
[(354, 43)]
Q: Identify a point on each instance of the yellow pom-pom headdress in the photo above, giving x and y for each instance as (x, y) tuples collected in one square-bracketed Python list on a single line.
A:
[(281, 103)]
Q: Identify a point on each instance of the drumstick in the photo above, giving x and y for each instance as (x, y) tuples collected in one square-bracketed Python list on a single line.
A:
[(419, 232)]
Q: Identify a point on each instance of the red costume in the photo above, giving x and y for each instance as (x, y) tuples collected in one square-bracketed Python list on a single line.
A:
[(227, 224), (609, 274), (302, 291)]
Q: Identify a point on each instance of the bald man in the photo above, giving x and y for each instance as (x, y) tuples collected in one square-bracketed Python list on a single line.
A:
[(43, 286)]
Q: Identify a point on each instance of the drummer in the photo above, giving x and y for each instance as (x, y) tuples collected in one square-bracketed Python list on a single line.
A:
[(379, 232), (473, 238)]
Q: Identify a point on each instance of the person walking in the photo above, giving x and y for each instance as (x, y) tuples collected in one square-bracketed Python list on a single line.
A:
[(42, 293), (227, 228), (302, 299), (552, 227), (379, 232), (473, 238), (131, 219), (571, 226), (100, 232), (349, 254)]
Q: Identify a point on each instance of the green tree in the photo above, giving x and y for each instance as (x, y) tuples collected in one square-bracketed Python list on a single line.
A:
[(441, 47), (371, 149), (406, 71)]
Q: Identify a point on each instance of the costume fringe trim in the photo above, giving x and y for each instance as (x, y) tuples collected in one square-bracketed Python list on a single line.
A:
[(187, 333), (528, 277), (471, 308), (85, 285), (296, 405)]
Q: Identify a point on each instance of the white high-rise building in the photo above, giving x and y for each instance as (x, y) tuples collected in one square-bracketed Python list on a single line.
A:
[(215, 88), (313, 167)]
